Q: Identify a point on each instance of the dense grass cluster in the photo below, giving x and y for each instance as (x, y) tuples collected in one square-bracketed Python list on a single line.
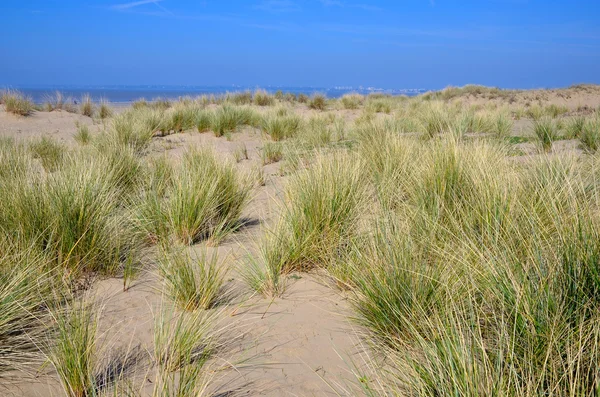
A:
[(14, 102), (473, 275)]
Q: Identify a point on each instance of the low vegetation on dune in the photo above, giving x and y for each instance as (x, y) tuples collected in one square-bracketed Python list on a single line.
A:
[(16, 103), (464, 233)]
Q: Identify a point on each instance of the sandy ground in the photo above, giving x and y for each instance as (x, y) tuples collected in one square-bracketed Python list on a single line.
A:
[(300, 345)]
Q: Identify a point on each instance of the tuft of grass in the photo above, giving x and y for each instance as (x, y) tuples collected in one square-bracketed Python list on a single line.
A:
[(74, 353), (206, 198), (134, 128), (503, 126), (303, 98), (59, 102), (240, 98), (271, 152), (545, 130), (318, 102), (352, 101), (590, 135), (204, 120), (321, 213), (83, 135), (281, 127), (49, 152), (241, 153), (183, 345), (86, 107), (15, 103), (263, 98), (139, 104), (379, 106), (29, 286), (574, 127), (227, 119), (105, 111), (193, 282), (181, 117)]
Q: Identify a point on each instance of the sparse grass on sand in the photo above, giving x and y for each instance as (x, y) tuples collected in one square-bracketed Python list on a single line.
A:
[(469, 258)]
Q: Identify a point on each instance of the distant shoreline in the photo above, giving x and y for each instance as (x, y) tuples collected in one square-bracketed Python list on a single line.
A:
[(127, 94)]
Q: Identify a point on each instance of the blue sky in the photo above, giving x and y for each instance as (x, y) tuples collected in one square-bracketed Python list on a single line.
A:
[(390, 44)]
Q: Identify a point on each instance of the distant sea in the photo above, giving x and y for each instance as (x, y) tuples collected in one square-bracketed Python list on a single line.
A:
[(126, 94)]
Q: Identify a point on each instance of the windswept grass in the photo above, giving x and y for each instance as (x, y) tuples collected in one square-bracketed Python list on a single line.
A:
[(352, 101), (280, 127), (318, 102), (83, 135), (263, 98), (320, 216), (59, 102), (204, 199), (28, 287), (228, 118), (193, 282), (49, 152), (590, 135), (105, 111), (16, 103), (271, 152), (74, 354), (183, 345), (86, 107), (545, 130)]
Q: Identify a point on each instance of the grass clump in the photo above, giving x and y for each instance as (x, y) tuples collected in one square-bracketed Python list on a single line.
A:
[(134, 128), (203, 200), (281, 127), (86, 107), (104, 111), (379, 106), (204, 120), (15, 103), (263, 98), (271, 152), (318, 102), (545, 130), (590, 135), (74, 353), (240, 98), (183, 346), (83, 135), (49, 152), (228, 118), (28, 287), (503, 125), (193, 282), (303, 98), (352, 101), (574, 127), (320, 217)]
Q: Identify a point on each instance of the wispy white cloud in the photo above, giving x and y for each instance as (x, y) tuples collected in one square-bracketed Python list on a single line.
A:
[(132, 7), (277, 6), (133, 4), (343, 4)]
